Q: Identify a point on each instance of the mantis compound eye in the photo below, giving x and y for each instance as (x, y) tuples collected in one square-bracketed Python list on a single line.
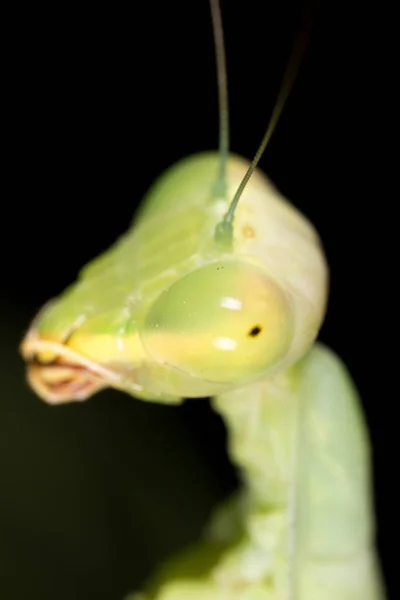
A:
[(225, 322)]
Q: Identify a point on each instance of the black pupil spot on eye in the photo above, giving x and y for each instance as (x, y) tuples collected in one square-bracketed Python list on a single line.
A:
[(255, 331)]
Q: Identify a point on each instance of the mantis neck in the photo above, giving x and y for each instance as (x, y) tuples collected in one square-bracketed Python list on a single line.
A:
[(301, 443), (262, 422), (263, 426)]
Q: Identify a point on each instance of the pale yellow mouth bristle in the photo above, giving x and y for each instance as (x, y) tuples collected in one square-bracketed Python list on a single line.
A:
[(60, 384), (58, 374)]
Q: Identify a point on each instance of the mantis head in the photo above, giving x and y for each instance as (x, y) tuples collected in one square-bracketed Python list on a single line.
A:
[(192, 323), (218, 326)]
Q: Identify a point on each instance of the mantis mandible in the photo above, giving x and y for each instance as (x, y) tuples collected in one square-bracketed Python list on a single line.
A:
[(219, 289)]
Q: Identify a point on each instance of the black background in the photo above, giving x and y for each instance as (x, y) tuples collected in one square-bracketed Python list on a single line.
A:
[(99, 101)]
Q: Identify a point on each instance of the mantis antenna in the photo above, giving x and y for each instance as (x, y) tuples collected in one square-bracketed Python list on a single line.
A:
[(220, 184), (224, 229)]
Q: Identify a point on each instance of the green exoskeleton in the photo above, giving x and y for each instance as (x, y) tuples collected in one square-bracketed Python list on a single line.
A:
[(219, 289)]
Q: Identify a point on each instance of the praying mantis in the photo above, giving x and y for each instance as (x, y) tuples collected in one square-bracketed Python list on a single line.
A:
[(219, 289)]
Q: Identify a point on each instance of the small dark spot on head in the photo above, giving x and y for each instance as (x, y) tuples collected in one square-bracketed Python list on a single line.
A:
[(218, 268), (255, 331)]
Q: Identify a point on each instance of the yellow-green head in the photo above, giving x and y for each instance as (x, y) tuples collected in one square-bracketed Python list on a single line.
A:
[(169, 313)]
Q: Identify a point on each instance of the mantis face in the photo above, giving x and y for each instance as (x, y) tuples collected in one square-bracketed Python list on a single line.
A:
[(168, 313), (220, 325)]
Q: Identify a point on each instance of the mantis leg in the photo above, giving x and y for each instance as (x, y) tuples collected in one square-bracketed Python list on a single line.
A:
[(304, 528)]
